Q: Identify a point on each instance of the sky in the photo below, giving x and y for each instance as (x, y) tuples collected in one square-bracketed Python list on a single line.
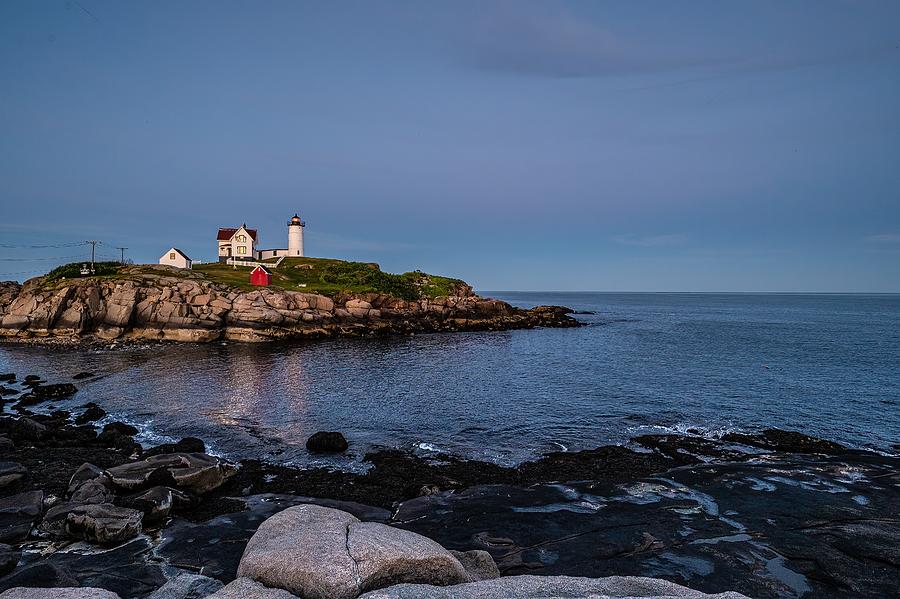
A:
[(519, 145)]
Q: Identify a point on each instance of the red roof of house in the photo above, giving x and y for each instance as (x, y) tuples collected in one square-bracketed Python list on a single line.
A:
[(227, 234)]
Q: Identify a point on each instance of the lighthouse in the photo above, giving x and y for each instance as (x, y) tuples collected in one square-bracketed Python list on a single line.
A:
[(295, 236)]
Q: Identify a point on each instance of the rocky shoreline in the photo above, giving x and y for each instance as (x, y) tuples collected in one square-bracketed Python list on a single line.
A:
[(158, 303), (770, 514)]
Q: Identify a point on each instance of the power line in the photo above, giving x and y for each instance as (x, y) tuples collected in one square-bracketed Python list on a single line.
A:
[(39, 247), (39, 259), (121, 249)]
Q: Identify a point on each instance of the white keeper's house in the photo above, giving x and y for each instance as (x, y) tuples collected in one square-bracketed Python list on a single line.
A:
[(241, 243), (177, 258)]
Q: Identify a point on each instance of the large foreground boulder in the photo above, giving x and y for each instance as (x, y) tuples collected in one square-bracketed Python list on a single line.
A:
[(534, 587), (322, 553), (58, 593), (104, 524)]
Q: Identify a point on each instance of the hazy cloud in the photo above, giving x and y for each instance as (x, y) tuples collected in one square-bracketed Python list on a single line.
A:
[(547, 40), (884, 238), (651, 240)]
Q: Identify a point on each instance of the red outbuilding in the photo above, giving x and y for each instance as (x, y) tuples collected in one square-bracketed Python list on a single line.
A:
[(260, 276)]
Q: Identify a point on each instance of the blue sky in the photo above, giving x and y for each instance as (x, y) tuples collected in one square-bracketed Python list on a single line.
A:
[(646, 146)]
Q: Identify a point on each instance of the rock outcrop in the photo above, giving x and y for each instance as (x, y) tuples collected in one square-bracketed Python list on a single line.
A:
[(323, 553), (160, 303), (539, 587)]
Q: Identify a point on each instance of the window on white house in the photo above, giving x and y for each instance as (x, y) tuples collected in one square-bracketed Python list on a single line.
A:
[(241, 238), (242, 249), (171, 255)]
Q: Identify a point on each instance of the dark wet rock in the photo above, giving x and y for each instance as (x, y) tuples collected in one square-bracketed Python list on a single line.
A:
[(8, 377), (6, 444), (29, 399), (59, 593), (83, 375), (194, 472), (156, 503), (603, 463), (120, 428), (6, 391), (185, 445), (104, 524), (86, 472), (24, 428), (57, 391), (43, 574), (187, 586), (18, 513), (479, 564), (31, 378), (11, 473), (9, 559), (326, 442), (127, 569), (688, 450), (93, 491), (92, 414), (786, 441)]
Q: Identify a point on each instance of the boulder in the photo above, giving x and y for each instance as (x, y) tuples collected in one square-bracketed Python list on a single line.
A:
[(46, 576), (303, 550), (83, 375), (318, 552), (194, 472), (187, 586), (93, 413), (11, 472), (386, 555), (58, 593), (326, 442), (104, 524), (8, 377), (186, 445), (94, 491), (533, 587), (156, 503), (9, 559), (59, 391), (85, 473), (18, 513), (479, 564), (27, 429), (244, 588), (120, 428)]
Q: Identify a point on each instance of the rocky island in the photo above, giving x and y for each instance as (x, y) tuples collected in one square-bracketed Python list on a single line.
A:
[(308, 298)]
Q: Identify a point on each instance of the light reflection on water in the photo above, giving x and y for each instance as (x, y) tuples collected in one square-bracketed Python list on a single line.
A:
[(827, 365)]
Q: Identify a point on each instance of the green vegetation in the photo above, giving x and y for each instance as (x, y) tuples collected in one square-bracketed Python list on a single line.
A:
[(329, 277), (313, 275), (73, 271)]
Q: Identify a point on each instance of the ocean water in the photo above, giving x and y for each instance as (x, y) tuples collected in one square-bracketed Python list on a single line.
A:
[(827, 365)]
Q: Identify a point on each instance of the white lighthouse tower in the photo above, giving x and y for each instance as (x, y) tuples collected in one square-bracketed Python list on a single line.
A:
[(295, 236)]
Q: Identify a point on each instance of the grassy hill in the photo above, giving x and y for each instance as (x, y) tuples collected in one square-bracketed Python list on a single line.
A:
[(313, 275)]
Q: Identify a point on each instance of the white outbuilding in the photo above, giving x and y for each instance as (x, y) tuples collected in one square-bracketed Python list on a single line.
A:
[(177, 258)]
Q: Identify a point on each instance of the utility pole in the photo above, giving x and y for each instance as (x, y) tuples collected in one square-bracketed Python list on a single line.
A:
[(93, 243), (123, 255)]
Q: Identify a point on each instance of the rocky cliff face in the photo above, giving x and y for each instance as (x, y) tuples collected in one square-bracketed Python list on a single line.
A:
[(166, 304)]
